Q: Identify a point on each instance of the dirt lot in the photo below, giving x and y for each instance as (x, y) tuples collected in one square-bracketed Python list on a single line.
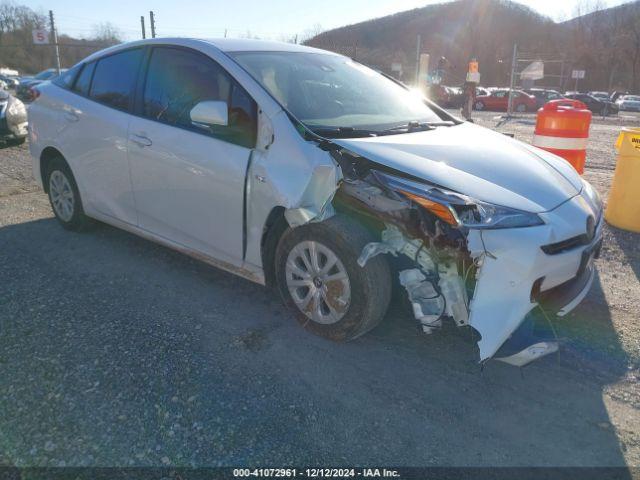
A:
[(117, 352)]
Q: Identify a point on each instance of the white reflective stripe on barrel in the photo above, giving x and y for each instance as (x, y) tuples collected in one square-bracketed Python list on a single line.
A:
[(561, 143)]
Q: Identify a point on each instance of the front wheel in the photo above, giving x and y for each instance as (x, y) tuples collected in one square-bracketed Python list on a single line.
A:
[(321, 282), (479, 106), (521, 108)]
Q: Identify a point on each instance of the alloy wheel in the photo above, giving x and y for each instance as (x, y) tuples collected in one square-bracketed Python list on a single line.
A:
[(62, 196), (318, 282)]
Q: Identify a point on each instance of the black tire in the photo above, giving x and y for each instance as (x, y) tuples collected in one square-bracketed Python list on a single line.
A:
[(521, 108), (78, 220), (15, 142), (370, 287), (478, 106)]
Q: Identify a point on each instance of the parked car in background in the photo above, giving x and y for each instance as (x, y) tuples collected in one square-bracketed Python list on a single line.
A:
[(440, 95), (629, 103), (600, 95), (455, 97), (446, 96), (303, 169), (23, 89), (13, 119), (499, 100), (596, 105), (617, 94), (544, 95), (12, 82)]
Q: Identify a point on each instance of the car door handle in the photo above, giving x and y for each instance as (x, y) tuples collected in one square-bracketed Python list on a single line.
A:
[(140, 140), (71, 116)]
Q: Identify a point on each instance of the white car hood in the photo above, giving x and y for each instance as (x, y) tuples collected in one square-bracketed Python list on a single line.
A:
[(478, 162)]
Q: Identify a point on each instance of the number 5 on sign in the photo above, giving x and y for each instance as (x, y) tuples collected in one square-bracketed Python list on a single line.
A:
[(40, 37)]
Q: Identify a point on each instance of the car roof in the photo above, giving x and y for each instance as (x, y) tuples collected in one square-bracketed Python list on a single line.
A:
[(254, 45), (226, 45)]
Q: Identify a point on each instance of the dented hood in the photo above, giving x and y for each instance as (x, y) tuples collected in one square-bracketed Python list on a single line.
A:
[(478, 162)]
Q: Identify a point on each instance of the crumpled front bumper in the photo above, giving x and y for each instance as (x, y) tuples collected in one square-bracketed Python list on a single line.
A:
[(516, 274)]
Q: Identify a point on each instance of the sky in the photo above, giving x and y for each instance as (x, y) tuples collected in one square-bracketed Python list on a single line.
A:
[(273, 19)]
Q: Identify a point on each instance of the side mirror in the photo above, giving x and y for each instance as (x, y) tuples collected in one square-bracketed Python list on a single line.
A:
[(210, 113)]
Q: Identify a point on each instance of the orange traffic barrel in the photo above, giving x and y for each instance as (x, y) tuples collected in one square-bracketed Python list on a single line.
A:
[(562, 128)]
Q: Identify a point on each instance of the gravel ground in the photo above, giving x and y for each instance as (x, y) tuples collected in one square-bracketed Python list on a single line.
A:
[(117, 352)]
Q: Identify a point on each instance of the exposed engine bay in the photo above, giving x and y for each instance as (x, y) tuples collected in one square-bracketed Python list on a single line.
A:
[(443, 275)]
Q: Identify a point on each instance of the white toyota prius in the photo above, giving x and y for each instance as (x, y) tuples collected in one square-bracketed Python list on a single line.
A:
[(305, 170)]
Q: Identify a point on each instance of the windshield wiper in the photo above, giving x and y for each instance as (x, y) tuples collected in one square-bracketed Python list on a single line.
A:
[(343, 132), (416, 126)]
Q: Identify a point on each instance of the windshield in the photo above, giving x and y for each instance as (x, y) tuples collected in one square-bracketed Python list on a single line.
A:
[(631, 98), (330, 91)]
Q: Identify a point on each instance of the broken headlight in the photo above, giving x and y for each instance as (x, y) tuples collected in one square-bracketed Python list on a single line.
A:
[(487, 215), (459, 210)]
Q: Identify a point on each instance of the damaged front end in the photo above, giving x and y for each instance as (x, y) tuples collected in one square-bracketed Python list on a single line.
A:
[(459, 258), (449, 269)]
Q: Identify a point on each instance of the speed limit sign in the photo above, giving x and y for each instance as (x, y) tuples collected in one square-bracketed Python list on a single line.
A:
[(40, 36)]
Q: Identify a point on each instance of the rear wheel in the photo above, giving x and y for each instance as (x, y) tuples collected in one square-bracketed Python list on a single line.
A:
[(64, 196), (521, 108), (321, 282), (479, 105)]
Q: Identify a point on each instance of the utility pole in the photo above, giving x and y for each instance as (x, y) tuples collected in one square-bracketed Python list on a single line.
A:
[(418, 49), (225, 33), (54, 37), (144, 33), (152, 22), (514, 67)]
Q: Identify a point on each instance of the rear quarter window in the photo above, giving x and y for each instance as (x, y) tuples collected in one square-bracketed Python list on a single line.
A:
[(83, 82), (65, 80)]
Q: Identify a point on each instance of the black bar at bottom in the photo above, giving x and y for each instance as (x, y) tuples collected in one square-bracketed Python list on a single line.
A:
[(396, 473)]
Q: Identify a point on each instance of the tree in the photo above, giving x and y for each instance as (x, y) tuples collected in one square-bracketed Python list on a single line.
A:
[(633, 26), (106, 33)]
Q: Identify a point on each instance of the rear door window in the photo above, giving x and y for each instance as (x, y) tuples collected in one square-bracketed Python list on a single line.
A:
[(115, 77)]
